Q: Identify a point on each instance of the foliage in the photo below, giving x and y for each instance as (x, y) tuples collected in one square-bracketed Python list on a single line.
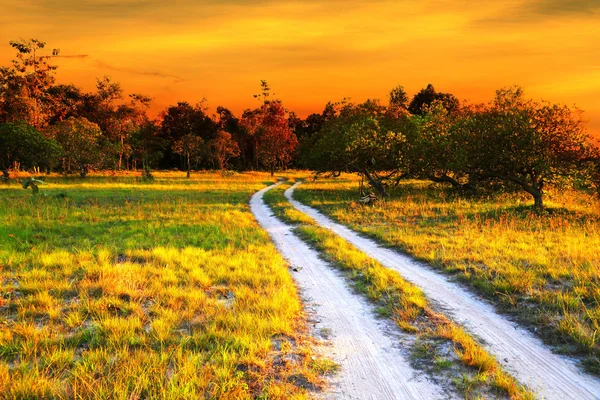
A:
[(223, 148), (359, 139), (398, 98), (80, 142), (24, 87), (419, 103), (528, 143), (274, 140), (25, 146), (148, 146), (191, 147)]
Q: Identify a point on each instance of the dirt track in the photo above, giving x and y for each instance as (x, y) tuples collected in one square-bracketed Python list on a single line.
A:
[(373, 366), (523, 355)]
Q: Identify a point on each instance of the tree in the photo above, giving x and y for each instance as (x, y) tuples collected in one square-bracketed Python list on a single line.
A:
[(398, 98), (427, 96), (23, 88), (148, 146), (191, 148), (275, 140), (440, 151), (223, 148), (357, 140), (128, 118), (65, 101), (25, 146), (245, 143), (79, 139), (532, 144), (185, 119)]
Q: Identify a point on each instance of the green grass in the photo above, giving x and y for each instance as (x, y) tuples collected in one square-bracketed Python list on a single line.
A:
[(407, 306), (542, 268), (116, 288)]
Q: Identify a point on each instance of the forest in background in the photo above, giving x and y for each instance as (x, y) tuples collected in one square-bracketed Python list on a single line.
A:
[(510, 143)]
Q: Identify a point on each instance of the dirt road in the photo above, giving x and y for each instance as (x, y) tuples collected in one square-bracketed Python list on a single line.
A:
[(523, 355), (373, 366)]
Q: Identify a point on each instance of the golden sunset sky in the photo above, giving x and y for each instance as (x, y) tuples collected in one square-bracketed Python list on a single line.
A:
[(311, 52)]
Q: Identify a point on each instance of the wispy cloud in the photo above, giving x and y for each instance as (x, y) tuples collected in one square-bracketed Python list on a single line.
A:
[(75, 56), (134, 71), (532, 11)]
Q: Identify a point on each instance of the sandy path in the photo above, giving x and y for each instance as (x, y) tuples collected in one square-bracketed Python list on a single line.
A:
[(372, 364), (523, 355)]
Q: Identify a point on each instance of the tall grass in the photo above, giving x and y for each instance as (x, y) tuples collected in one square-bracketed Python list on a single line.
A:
[(114, 288), (544, 268)]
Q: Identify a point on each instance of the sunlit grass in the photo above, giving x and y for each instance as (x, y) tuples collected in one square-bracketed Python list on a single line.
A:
[(407, 306), (544, 268), (113, 287)]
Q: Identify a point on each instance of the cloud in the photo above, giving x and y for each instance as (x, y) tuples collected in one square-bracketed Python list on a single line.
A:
[(532, 11), (156, 74), (565, 7), (76, 56)]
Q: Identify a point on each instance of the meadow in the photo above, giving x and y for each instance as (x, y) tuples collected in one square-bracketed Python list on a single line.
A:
[(539, 267), (114, 287)]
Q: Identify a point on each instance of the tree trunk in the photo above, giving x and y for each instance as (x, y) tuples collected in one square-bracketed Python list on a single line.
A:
[(538, 202), (83, 171), (375, 183), (445, 179), (189, 167), (535, 190)]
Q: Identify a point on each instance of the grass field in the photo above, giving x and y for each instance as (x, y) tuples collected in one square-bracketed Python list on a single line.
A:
[(542, 268), (117, 288), (449, 354)]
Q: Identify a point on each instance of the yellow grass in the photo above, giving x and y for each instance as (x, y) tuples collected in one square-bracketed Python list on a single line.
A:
[(543, 268), (407, 306), (117, 288)]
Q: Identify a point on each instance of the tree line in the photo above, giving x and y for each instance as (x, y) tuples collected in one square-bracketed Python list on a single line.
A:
[(510, 143), (46, 126)]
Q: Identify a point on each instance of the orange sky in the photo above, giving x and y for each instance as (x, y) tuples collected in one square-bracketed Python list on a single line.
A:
[(314, 51)]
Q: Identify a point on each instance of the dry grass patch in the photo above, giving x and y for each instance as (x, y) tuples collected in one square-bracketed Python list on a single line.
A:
[(116, 288), (441, 348), (542, 268)]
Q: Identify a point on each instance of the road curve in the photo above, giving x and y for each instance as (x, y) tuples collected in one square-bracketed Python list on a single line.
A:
[(372, 364), (523, 355)]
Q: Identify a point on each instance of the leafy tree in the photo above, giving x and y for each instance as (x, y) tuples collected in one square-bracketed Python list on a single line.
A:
[(427, 96), (191, 147), (398, 98), (245, 142), (80, 142), (24, 86), (128, 118), (531, 144), (357, 140), (184, 119), (25, 146), (148, 146), (223, 148), (65, 101), (275, 140), (441, 150)]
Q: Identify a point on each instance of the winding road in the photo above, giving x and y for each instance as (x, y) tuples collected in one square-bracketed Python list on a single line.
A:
[(373, 365)]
